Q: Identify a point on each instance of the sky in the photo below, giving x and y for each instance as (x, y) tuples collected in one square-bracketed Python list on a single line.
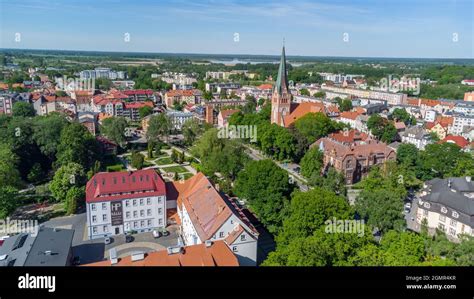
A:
[(355, 28)]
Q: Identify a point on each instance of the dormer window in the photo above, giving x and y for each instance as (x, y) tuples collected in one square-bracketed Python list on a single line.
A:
[(444, 210), (455, 214), (427, 205)]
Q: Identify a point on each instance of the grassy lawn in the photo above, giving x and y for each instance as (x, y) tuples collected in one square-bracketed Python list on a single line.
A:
[(164, 161), (187, 175), (178, 169)]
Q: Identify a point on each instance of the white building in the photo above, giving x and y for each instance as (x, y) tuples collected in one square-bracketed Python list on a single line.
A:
[(119, 202), (460, 121), (207, 215), (447, 205), (417, 136)]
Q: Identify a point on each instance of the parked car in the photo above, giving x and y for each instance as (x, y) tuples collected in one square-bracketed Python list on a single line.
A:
[(128, 238), (156, 234), (76, 261), (407, 207)]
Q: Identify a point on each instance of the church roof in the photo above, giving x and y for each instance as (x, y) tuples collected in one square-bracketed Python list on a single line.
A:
[(281, 84)]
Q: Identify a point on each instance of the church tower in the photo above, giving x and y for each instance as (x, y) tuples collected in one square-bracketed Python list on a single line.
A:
[(281, 96)]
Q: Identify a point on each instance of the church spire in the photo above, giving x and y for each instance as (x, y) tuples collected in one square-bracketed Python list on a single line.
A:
[(281, 84)]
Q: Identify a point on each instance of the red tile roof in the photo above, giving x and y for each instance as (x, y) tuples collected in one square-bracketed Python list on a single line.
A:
[(459, 140), (147, 92), (349, 136), (229, 112), (349, 115), (137, 105), (301, 109), (218, 254), (205, 206), (108, 186)]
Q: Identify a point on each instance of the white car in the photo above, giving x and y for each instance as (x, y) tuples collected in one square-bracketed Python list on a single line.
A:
[(156, 234)]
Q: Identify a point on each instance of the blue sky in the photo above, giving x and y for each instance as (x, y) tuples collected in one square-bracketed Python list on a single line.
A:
[(375, 28)]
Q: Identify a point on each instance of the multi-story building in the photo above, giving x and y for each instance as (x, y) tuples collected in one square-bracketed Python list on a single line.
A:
[(447, 205), (223, 117), (180, 96), (417, 136), (119, 202), (460, 121), (353, 154), (178, 118), (207, 215), (466, 108), (102, 73), (390, 97)]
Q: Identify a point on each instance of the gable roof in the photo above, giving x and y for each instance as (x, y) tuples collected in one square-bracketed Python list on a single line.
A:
[(301, 109)]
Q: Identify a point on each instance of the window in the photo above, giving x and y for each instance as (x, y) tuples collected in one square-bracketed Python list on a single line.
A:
[(106, 228), (142, 213), (135, 214), (148, 212), (159, 211), (135, 224), (160, 221), (93, 207), (455, 214), (127, 203), (234, 249), (104, 206), (454, 222), (134, 202), (94, 229), (159, 200), (104, 217), (94, 218), (442, 218), (127, 215), (441, 226), (221, 235), (142, 223), (444, 210), (242, 237), (148, 201), (141, 201), (452, 231), (149, 222)]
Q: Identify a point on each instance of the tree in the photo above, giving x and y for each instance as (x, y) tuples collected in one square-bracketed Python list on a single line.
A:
[(114, 128), (77, 145), (159, 126), (67, 176), (320, 94), (332, 180), (266, 188), (345, 105), (74, 198), (137, 160), (381, 128), (312, 163), (8, 200), (23, 109), (400, 114), (191, 129), (440, 160), (150, 147), (304, 92), (36, 173), (145, 111), (315, 125), (9, 174), (47, 133), (407, 154)]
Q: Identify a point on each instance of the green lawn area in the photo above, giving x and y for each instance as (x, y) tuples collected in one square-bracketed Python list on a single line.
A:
[(164, 161), (187, 175), (177, 169)]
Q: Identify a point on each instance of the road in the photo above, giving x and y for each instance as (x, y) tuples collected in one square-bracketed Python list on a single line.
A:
[(288, 167)]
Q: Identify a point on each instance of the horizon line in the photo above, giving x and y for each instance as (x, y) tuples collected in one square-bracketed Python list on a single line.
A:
[(270, 55)]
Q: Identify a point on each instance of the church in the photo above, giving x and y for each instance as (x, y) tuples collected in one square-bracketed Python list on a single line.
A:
[(284, 112)]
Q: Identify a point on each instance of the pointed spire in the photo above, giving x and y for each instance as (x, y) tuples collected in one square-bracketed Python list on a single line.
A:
[(281, 84)]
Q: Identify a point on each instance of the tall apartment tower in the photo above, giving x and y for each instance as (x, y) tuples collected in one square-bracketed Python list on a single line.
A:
[(281, 97)]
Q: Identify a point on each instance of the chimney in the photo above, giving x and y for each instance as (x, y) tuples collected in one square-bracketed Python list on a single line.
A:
[(208, 243)]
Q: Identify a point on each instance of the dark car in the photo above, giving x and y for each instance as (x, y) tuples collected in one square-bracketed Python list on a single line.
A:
[(128, 239), (76, 261)]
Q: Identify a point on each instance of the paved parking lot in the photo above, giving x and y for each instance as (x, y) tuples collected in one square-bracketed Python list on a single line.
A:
[(90, 251)]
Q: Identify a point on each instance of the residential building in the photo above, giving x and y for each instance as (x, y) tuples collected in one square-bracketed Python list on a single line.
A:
[(447, 205), (50, 247), (207, 215), (119, 202), (180, 96), (208, 254), (178, 118), (89, 120), (223, 117), (390, 97), (417, 136), (460, 121), (351, 156), (469, 96)]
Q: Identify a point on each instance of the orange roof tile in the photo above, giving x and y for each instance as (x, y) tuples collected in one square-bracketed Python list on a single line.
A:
[(459, 140), (350, 114), (218, 254), (301, 110)]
